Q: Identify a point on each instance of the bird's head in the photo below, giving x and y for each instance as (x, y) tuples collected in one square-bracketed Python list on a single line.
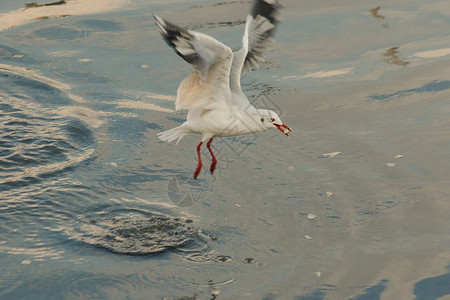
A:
[(270, 119)]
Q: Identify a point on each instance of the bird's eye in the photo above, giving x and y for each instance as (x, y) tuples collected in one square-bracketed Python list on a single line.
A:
[(272, 119), (262, 120)]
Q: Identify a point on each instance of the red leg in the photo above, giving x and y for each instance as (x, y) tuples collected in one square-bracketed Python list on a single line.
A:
[(199, 166), (214, 160)]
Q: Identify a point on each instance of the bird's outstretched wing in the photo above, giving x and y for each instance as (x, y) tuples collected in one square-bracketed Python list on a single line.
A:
[(260, 31), (210, 58), (258, 36)]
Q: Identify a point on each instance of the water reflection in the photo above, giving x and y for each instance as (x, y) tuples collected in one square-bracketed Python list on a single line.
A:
[(34, 4), (374, 13), (433, 53), (41, 140), (433, 287), (37, 12), (36, 142), (434, 86), (82, 99), (393, 57)]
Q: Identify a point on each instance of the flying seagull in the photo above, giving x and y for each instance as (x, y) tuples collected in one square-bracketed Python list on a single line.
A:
[(212, 94)]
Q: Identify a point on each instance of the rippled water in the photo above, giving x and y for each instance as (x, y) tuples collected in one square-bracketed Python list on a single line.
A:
[(353, 206)]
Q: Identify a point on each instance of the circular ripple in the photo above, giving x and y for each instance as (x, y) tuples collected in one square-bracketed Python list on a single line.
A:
[(89, 286), (159, 279), (205, 275), (39, 145), (35, 141), (181, 276), (65, 31), (209, 257)]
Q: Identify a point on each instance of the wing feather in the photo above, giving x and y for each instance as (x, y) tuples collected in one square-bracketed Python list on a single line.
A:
[(198, 49), (260, 32), (210, 58), (258, 37)]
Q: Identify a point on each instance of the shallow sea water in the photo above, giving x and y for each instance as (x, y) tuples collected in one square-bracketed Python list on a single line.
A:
[(354, 205)]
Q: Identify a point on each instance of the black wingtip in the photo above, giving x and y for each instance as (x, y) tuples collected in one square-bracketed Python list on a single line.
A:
[(266, 8), (156, 17), (178, 38)]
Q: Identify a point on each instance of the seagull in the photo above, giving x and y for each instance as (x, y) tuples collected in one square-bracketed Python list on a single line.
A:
[(212, 94)]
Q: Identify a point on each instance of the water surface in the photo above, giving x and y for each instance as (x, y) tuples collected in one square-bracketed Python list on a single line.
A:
[(353, 206)]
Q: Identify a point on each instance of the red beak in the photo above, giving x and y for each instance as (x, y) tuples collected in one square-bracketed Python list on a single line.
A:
[(283, 128)]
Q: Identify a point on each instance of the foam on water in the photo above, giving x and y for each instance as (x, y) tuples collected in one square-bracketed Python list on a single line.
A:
[(133, 232)]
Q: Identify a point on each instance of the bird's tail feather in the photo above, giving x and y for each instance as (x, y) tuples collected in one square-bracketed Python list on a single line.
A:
[(172, 134)]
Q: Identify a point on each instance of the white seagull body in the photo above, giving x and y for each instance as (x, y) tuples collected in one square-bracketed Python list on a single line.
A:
[(212, 94)]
